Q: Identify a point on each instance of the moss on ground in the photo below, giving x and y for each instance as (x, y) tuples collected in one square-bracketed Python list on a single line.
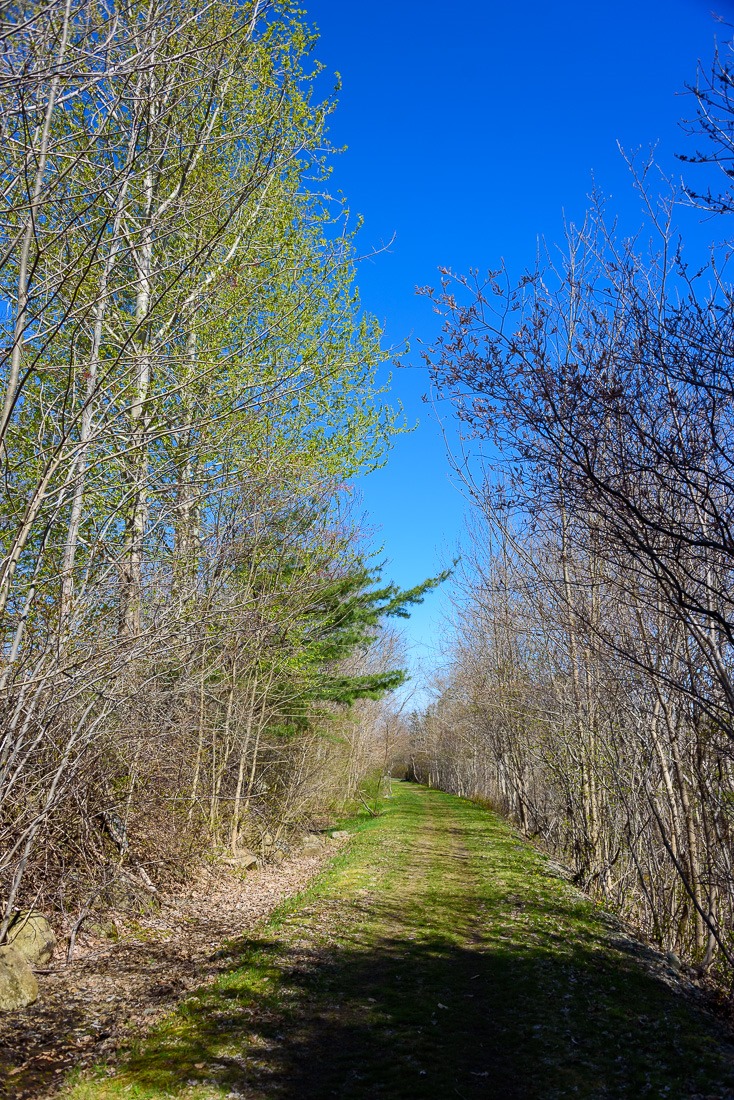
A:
[(439, 956)]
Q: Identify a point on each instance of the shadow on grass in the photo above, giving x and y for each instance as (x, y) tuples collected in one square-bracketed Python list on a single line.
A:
[(427, 1016), (443, 962)]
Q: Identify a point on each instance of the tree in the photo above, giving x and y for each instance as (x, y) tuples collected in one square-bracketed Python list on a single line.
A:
[(605, 385), (187, 384)]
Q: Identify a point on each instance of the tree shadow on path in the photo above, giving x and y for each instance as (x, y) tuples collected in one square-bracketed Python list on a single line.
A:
[(417, 1016)]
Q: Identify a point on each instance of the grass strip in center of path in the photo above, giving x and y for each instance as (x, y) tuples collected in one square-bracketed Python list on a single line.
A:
[(437, 957)]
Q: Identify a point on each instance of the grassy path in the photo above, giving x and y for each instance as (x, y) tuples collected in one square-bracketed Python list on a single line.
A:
[(438, 957)]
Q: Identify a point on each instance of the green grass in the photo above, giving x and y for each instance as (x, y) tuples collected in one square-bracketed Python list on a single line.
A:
[(438, 957)]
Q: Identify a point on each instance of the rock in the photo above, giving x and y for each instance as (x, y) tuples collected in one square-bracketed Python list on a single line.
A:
[(267, 839), (18, 985), (673, 961), (340, 834), (32, 935), (242, 860), (125, 893), (104, 930), (245, 859), (311, 842)]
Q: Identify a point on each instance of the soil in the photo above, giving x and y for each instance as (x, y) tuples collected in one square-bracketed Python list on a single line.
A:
[(436, 954), (113, 991)]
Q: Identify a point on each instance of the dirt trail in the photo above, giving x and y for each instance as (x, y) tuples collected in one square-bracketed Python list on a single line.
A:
[(112, 991), (439, 956)]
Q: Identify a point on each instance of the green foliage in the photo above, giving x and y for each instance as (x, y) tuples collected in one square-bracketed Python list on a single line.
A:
[(341, 619), (189, 384), (441, 938)]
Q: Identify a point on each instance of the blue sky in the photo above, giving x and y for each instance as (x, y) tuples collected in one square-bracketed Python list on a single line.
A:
[(471, 133)]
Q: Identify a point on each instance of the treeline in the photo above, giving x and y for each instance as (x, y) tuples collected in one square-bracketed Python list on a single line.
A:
[(590, 693), (187, 613)]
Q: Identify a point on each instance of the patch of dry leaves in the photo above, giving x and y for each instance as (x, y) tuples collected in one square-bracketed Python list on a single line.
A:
[(111, 992)]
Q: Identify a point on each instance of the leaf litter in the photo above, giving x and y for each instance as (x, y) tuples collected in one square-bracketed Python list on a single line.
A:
[(112, 992)]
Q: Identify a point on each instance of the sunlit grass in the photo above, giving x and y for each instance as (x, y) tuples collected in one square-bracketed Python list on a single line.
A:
[(438, 956)]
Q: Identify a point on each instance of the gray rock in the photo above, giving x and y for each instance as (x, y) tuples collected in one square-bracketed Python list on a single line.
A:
[(340, 834), (33, 936), (673, 961), (246, 859), (18, 985), (104, 929), (242, 860), (311, 842), (126, 893)]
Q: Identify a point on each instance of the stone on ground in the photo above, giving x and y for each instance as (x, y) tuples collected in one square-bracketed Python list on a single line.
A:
[(33, 937), (18, 985), (243, 859)]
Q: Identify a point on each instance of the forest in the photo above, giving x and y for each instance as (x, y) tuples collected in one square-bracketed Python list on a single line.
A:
[(194, 648), (589, 692), (199, 653)]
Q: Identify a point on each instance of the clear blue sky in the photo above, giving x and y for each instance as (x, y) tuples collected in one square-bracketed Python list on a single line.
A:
[(471, 132)]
